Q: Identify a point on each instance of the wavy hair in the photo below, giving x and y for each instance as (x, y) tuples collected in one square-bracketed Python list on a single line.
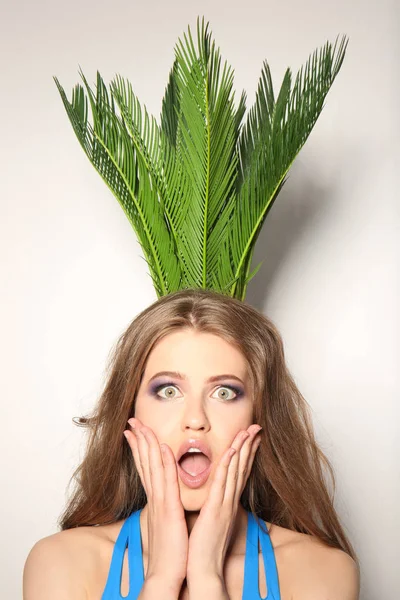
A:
[(287, 484)]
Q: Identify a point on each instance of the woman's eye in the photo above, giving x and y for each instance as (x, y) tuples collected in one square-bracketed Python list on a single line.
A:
[(167, 387), (224, 392)]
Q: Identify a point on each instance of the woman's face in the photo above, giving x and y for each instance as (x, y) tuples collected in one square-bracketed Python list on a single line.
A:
[(181, 408)]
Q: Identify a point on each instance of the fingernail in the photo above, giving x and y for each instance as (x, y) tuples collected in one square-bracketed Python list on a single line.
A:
[(132, 423), (258, 429)]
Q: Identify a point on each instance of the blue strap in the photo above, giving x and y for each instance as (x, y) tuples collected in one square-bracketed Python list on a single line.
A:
[(129, 536), (135, 557), (251, 576), (250, 583)]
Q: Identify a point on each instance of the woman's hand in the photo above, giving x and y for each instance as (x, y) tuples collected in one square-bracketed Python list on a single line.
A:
[(211, 534), (167, 530)]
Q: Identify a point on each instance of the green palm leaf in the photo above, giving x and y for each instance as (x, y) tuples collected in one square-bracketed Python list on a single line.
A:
[(207, 134), (198, 188), (170, 107), (109, 147), (273, 136), (158, 156)]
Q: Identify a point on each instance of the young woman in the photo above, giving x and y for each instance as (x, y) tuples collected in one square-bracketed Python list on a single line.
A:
[(198, 370)]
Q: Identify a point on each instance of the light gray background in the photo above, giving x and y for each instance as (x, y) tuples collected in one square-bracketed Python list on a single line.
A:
[(73, 276)]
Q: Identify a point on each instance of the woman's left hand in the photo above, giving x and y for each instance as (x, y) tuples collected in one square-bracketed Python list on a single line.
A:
[(211, 534)]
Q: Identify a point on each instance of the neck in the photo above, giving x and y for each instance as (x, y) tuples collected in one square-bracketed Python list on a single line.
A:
[(237, 543)]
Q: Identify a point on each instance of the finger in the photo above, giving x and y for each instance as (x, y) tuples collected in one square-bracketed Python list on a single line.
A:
[(233, 474), (172, 493), (144, 460), (156, 467), (164, 485), (247, 455), (217, 490), (133, 444)]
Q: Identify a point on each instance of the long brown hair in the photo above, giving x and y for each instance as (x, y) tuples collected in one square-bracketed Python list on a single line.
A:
[(286, 485)]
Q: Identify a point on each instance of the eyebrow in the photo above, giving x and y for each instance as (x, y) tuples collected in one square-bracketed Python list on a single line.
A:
[(212, 379)]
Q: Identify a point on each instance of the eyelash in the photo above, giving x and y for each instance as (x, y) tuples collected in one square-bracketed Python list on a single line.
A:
[(235, 389)]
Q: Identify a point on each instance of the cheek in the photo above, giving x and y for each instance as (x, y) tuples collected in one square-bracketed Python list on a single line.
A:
[(239, 420), (229, 433), (151, 419)]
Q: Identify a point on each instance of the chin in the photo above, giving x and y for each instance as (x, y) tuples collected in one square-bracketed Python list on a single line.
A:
[(193, 499), (192, 505)]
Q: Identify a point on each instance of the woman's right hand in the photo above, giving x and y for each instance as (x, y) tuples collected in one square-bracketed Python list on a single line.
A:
[(168, 540)]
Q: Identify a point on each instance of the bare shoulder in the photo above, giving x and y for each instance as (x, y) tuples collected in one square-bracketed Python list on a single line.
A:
[(327, 572), (316, 569), (61, 565)]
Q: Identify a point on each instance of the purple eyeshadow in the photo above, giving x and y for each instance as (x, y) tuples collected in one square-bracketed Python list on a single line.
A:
[(157, 386)]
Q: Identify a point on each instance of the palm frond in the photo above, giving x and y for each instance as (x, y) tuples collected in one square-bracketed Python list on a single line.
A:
[(109, 147), (198, 188), (206, 141), (170, 108), (269, 143), (156, 151)]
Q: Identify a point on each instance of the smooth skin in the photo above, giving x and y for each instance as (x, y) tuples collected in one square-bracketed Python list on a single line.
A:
[(190, 531), (172, 555), (66, 566)]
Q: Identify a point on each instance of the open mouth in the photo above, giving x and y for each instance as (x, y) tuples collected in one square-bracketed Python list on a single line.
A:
[(194, 463), (194, 469)]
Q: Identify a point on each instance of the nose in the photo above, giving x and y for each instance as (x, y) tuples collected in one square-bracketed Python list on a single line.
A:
[(194, 417)]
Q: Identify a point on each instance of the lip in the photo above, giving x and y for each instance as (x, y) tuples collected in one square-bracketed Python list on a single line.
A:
[(194, 482), (193, 443)]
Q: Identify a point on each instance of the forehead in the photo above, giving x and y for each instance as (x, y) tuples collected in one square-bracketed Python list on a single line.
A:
[(191, 351)]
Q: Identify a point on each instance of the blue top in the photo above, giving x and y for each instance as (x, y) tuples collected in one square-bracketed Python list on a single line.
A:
[(130, 537)]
